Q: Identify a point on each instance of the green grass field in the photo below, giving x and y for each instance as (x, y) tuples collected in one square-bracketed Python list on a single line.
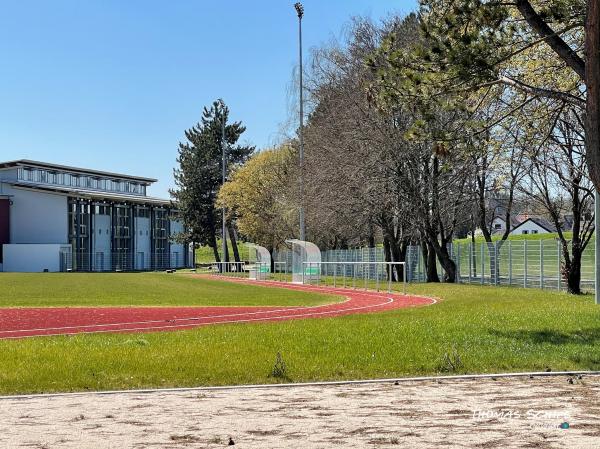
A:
[(472, 330), (139, 289), (205, 254)]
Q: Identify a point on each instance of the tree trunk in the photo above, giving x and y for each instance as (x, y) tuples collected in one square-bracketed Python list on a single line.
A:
[(234, 246), (271, 250), (215, 248), (387, 255), (441, 251), (592, 80), (574, 273), (430, 263)]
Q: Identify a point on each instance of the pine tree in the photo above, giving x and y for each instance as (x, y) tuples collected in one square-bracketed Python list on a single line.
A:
[(198, 175)]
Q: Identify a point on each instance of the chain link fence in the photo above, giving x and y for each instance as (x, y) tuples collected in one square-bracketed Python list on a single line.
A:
[(523, 263)]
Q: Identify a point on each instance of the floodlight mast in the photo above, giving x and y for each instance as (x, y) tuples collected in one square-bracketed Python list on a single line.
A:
[(224, 168), (300, 11)]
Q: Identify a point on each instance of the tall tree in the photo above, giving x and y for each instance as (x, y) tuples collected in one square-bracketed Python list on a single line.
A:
[(198, 175), (544, 49), (257, 197)]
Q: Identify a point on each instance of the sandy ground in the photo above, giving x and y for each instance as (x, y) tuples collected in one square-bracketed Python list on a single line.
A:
[(502, 413)]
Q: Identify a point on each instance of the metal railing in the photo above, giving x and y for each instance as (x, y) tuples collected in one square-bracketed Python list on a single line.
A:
[(522, 263), (121, 261), (353, 274)]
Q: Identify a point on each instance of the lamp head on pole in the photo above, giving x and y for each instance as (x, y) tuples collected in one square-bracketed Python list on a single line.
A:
[(299, 9)]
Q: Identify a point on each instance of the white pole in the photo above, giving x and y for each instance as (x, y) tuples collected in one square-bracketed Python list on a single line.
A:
[(509, 263), (542, 264), (525, 263), (559, 274), (224, 174), (597, 247)]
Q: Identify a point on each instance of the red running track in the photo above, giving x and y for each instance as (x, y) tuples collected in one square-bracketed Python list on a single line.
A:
[(32, 322)]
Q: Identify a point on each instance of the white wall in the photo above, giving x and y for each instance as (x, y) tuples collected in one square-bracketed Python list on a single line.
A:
[(101, 243), (142, 243), (529, 226), (32, 258), (498, 221), (37, 217)]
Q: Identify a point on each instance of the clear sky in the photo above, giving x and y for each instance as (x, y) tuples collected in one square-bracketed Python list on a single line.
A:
[(112, 84)]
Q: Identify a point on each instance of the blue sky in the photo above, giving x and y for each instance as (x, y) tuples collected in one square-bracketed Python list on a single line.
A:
[(112, 84)]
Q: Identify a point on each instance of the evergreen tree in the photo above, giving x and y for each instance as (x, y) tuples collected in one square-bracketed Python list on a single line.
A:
[(198, 175)]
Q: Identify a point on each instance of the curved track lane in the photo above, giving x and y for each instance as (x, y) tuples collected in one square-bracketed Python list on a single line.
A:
[(32, 322)]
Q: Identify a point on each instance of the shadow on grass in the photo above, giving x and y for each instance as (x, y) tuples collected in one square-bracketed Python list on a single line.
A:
[(581, 336)]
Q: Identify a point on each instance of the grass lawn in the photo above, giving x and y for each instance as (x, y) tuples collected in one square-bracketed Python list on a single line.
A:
[(473, 330), (139, 289), (205, 254)]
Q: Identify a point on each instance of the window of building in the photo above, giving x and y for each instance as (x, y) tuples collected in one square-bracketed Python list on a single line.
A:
[(534, 231), (497, 226), (102, 210), (142, 212), (525, 232)]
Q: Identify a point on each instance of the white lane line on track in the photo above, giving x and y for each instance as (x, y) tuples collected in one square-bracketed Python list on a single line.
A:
[(191, 318), (175, 326), (390, 299)]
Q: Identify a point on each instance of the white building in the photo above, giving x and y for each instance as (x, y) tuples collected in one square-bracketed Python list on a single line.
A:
[(61, 218), (533, 225)]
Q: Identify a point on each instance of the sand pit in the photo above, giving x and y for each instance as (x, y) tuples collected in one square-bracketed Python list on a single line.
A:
[(482, 413)]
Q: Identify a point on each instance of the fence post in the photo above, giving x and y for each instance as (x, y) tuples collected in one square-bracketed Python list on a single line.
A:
[(525, 263), (470, 260), (334, 275), (509, 263), (542, 264), (458, 263), (496, 267), (559, 273), (482, 263)]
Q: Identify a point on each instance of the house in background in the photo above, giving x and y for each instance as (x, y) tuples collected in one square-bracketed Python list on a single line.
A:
[(533, 225), (61, 218)]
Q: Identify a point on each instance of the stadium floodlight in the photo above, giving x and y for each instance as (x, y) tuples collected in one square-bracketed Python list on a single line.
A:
[(300, 10), (224, 174)]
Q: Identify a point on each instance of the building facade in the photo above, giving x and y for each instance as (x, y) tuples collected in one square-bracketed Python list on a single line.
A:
[(61, 218)]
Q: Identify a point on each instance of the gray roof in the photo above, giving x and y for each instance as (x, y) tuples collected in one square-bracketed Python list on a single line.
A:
[(47, 165), (92, 194)]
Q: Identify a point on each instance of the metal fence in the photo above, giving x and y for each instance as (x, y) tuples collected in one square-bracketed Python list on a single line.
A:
[(524, 263), (105, 261)]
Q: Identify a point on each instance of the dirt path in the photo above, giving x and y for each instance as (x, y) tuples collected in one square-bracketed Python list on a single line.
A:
[(31, 321), (502, 413)]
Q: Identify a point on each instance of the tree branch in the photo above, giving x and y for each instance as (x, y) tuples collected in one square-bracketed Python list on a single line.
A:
[(560, 47)]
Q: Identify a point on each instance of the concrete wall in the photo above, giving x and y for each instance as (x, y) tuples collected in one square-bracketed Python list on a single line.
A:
[(33, 258), (142, 237), (37, 217)]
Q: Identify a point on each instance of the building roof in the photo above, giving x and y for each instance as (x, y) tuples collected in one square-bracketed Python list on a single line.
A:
[(92, 194), (541, 222), (46, 165)]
